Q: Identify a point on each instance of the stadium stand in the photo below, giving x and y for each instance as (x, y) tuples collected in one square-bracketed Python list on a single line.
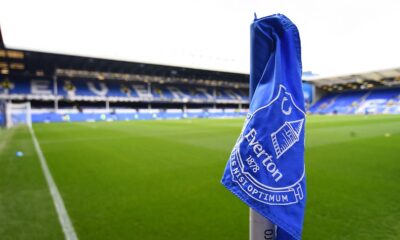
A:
[(72, 88), (94, 90), (377, 101), (374, 92), (115, 91)]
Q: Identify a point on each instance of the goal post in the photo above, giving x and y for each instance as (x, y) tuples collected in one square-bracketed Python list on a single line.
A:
[(18, 114)]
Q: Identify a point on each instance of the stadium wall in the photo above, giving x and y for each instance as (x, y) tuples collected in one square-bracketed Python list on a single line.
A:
[(97, 115)]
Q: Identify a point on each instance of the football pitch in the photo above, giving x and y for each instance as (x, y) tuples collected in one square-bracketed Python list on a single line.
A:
[(161, 179)]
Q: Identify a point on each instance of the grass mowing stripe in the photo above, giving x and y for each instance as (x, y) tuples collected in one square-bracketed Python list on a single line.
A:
[(65, 221)]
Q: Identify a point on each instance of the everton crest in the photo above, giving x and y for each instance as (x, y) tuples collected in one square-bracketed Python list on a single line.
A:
[(268, 150)]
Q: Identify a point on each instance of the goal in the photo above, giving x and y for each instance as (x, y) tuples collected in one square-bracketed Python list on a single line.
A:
[(18, 114)]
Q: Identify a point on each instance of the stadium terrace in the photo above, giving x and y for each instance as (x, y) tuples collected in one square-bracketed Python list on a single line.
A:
[(73, 88)]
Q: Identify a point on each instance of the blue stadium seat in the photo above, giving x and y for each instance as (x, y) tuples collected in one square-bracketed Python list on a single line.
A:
[(359, 102)]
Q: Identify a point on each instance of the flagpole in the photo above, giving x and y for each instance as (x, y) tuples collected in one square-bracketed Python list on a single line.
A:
[(260, 227)]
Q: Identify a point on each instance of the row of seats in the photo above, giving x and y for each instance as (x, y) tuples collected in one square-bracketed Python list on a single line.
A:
[(95, 88), (359, 102)]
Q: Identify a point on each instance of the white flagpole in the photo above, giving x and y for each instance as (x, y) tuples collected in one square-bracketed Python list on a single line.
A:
[(260, 227)]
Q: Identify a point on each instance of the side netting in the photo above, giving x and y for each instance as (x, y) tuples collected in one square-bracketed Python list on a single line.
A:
[(17, 114)]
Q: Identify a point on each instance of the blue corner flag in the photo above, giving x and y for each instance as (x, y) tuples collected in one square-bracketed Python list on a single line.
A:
[(266, 166)]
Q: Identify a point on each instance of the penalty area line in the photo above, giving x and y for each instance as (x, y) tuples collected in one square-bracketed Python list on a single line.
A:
[(62, 213)]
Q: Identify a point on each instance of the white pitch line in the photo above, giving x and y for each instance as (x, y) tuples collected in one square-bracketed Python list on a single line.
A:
[(62, 213)]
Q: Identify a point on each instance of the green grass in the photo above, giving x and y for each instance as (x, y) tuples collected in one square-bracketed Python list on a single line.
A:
[(26, 208), (160, 180)]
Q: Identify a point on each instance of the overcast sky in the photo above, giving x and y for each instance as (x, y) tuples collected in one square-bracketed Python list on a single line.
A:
[(338, 36)]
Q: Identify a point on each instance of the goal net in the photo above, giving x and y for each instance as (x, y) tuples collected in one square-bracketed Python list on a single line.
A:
[(17, 114)]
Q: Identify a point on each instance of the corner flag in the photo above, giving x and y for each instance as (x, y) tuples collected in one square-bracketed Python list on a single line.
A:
[(266, 166)]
